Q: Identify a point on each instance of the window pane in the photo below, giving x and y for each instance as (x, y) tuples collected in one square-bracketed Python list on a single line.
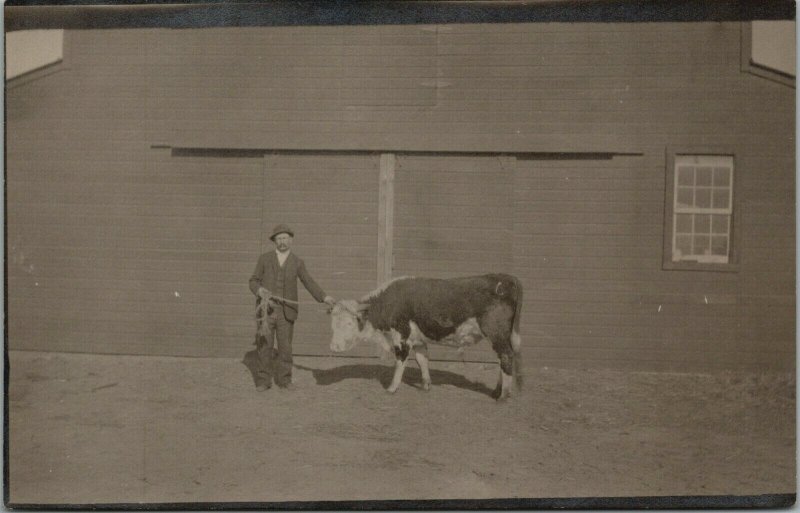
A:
[(702, 245), (704, 176), (719, 245), (702, 198), (719, 224), (683, 246), (702, 223), (683, 223), (721, 197), (685, 176), (685, 196), (722, 176), (702, 184)]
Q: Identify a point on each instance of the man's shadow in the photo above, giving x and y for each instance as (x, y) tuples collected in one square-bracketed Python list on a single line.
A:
[(383, 374)]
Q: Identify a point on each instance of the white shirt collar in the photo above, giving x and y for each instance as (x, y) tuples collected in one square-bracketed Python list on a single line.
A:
[(282, 256)]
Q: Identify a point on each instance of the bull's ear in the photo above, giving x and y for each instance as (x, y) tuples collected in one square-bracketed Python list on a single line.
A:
[(362, 307)]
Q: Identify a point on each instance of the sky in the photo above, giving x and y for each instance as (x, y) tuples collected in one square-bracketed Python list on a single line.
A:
[(774, 45), (27, 50)]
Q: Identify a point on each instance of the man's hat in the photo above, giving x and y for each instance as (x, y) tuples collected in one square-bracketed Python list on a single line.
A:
[(281, 228)]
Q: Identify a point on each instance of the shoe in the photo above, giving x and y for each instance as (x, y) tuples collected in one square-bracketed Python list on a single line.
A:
[(289, 387), (262, 388)]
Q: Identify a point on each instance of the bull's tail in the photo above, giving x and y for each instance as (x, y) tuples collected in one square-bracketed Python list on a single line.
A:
[(516, 341)]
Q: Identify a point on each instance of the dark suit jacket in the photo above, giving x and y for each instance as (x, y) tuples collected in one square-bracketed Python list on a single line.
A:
[(266, 275)]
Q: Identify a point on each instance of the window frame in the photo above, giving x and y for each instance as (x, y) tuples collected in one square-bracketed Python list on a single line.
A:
[(734, 241)]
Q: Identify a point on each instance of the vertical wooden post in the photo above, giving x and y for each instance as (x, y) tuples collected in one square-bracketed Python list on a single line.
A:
[(269, 165), (508, 165), (385, 217)]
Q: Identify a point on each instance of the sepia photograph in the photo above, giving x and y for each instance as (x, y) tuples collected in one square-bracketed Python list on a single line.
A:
[(400, 255)]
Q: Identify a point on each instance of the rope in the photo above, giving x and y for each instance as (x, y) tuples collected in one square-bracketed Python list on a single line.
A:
[(262, 309), (283, 299), (263, 305)]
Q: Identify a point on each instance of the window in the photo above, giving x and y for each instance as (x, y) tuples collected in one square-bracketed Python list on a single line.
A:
[(700, 201)]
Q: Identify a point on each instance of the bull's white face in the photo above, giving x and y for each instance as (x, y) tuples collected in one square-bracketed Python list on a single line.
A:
[(344, 325)]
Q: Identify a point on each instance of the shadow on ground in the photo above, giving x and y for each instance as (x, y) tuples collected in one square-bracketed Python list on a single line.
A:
[(382, 374)]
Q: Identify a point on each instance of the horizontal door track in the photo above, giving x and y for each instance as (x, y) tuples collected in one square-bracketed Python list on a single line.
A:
[(260, 153)]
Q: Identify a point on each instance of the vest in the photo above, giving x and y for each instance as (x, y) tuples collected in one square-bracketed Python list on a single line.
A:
[(280, 283)]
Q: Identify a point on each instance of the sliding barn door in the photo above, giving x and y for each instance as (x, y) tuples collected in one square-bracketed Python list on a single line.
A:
[(453, 217), (331, 202)]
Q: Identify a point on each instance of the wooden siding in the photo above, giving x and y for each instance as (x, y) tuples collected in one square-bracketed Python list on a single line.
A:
[(589, 255), (511, 87), (149, 256), (104, 228), (453, 217)]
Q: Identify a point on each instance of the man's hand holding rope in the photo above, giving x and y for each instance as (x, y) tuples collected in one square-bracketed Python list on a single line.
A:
[(267, 295)]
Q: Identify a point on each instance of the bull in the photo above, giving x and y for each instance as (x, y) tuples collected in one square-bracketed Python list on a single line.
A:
[(407, 314)]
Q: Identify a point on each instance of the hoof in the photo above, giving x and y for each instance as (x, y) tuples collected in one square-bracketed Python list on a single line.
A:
[(426, 387), (502, 395), (390, 391)]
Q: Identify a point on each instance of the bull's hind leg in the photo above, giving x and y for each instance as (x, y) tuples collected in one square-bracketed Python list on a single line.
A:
[(401, 351), (504, 380), (421, 355), (496, 324)]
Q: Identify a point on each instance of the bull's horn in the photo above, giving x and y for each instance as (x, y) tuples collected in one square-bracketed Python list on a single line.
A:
[(362, 307)]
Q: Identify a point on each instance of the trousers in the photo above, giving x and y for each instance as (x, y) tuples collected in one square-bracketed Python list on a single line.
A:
[(275, 363)]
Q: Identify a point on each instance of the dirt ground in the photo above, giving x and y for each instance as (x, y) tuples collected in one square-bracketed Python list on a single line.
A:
[(121, 429)]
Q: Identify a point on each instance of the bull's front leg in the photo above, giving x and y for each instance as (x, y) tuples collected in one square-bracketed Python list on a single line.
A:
[(401, 351), (421, 355)]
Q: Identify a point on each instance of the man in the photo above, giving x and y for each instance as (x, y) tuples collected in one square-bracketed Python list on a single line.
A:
[(275, 280)]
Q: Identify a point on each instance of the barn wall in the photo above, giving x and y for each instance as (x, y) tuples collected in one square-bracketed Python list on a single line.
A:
[(588, 239), (105, 226), (511, 87), (452, 216), (112, 251)]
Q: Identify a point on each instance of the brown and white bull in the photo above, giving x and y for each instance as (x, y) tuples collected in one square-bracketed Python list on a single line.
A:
[(409, 313)]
